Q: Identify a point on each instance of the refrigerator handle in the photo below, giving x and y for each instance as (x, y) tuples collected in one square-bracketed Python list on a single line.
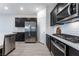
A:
[(29, 31)]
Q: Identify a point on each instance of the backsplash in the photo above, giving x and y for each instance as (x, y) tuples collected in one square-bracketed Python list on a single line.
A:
[(70, 28)]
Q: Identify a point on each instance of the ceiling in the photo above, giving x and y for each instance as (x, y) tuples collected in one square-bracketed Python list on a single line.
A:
[(28, 8)]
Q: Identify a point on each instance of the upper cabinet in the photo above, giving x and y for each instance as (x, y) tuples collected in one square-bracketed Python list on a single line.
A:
[(53, 16), (20, 22), (65, 13)]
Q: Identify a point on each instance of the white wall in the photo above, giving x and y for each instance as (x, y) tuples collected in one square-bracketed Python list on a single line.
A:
[(48, 11), (7, 23), (70, 28), (41, 23)]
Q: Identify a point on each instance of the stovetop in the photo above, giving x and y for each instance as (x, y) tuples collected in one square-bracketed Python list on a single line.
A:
[(74, 39)]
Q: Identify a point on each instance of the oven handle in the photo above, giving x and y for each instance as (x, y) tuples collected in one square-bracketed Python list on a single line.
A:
[(69, 10)]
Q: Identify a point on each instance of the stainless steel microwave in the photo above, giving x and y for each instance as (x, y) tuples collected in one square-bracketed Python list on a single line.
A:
[(69, 11)]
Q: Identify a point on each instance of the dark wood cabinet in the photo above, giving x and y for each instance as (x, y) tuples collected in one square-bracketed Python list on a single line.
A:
[(58, 48), (0, 52), (20, 22), (48, 42), (72, 52), (20, 36), (53, 17)]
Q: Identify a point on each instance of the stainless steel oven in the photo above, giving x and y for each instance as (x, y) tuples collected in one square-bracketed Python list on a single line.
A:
[(58, 48)]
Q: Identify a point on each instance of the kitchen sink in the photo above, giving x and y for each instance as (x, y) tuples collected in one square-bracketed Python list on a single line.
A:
[(74, 39)]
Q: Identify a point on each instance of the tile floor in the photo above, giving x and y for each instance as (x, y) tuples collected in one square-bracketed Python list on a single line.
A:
[(30, 49)]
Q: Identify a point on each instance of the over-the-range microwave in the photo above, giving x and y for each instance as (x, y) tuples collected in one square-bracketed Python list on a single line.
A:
[(69, 11)]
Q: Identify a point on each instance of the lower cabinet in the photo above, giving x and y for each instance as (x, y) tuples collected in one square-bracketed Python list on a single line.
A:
[(0, 52), (58, 48), (48, 41), (72, 52), (20, 36)]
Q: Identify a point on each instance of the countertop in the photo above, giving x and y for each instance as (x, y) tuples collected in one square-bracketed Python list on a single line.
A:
[(2, 35), (74, 45)]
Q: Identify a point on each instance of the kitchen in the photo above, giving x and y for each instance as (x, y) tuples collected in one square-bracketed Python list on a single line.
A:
[(54, 25), (21, 29)]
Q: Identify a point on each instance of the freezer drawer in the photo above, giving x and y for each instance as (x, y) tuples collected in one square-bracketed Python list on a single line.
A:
[(30, 38)]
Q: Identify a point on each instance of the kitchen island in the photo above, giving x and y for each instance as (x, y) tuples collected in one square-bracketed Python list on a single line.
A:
[(7, 42)]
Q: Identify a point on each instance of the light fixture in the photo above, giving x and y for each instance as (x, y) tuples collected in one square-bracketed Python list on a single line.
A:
[(21, 8), (37, 9), (6, 8)]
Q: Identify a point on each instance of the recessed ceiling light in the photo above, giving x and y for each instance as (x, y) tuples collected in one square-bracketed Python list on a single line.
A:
[(6, 8), (21, 8), (37, 9)]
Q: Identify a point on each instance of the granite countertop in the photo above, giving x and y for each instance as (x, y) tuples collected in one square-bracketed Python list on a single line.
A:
[(2, 35), (74, 45)]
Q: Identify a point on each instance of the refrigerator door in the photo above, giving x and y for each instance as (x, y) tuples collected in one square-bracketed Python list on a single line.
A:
[(27, 27), (30, 32), (33, 26)]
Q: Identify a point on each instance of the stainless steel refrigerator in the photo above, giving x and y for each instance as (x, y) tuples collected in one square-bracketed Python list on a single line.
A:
[(30, 31)]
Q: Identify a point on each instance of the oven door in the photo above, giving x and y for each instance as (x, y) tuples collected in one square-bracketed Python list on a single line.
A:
[(58, 48)]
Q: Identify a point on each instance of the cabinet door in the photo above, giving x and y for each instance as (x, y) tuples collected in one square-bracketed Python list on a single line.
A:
[(53, 16), (20, 36), (0, 52), (48, 42), (52, 48), (73, 52), (19, 22)]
